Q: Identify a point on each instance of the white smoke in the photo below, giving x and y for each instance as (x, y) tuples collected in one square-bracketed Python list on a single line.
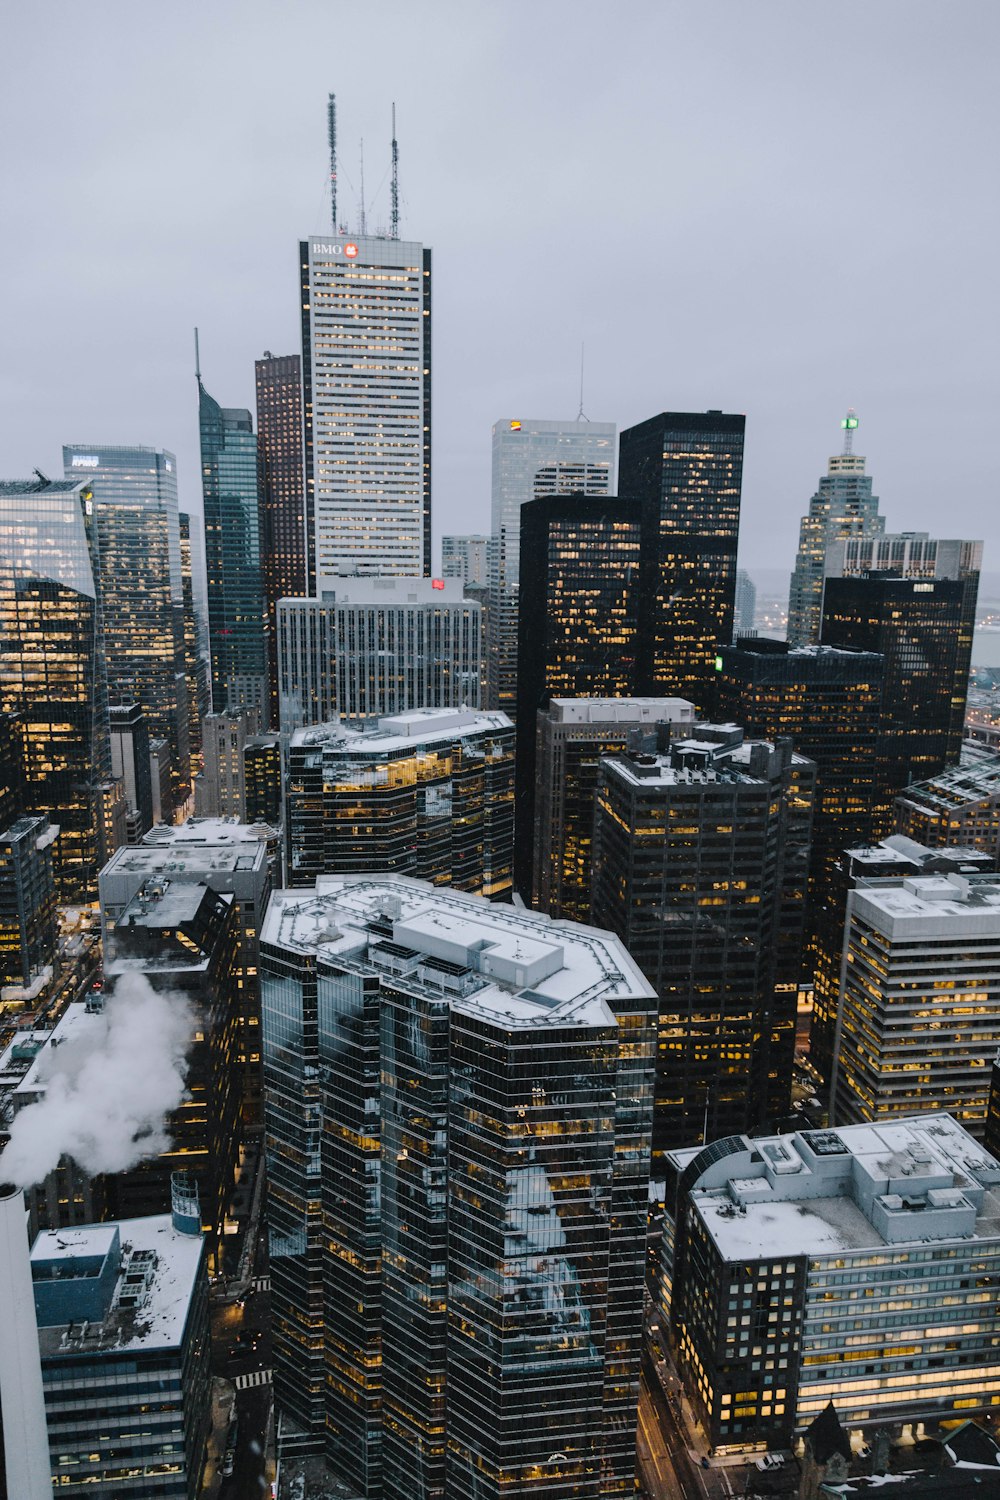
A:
[(107, 1093)]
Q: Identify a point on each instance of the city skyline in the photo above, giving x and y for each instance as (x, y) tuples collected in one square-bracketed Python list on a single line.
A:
[(808, 320)]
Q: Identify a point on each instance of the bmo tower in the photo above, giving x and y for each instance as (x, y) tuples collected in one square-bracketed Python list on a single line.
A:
[(366, 373)]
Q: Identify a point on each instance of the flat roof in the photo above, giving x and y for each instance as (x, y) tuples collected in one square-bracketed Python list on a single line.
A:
[(621, 710), (209, 831), (187, 856), (405, 731)]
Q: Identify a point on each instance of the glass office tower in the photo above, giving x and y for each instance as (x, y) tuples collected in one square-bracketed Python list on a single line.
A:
[(281, 486), (138, 533), (52, 670), (237, 616)]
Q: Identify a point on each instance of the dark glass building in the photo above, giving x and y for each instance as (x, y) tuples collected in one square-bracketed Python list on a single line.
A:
[(579, 624), (281, 489), (130, 764), (699, 866), (458, 1104), (27, 902), (686, 469), (237, 616), (197, 680), (52, 670)]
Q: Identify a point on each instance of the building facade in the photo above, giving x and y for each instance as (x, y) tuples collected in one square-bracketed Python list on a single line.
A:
[(834, 1265), (571, 737), (197, 676), (466, 557), (237, 615), (745, 606), (428, 794), (52, 668), (130, 764), (281, 491), (960, 806), (699, 867), (27, 909), (458, 1111), (366, 367), (843, 506), (374, 646), (122, 1312), (686, 469)]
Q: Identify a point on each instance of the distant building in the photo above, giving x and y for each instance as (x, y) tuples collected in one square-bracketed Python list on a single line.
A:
[(220, 790), (457, 1225), (159, 773), (197, 676), (831, 1265), (960, 806), (262, 779), (843, 506), (572, 735), (745, 608), (918, 1024), (28, 929), (699, 864), (131, 764), (466, 557), (281, 490), (122, 1312), (374, 646), (428, 793)]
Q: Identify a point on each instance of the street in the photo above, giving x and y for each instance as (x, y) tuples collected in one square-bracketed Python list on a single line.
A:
[(668, 1468)]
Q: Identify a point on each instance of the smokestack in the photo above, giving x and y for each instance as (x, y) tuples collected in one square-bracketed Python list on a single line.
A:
[(25, 1434)]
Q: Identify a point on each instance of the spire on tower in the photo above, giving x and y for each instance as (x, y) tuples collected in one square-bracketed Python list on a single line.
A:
[(197, 359), (848, 424), (363, 215), (394, 218), (331, 118)]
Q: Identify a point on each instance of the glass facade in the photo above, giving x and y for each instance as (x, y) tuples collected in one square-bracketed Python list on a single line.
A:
[(197, 681), (237, 616), (138, 531), (281, 485), (52, 667), (843, 506)]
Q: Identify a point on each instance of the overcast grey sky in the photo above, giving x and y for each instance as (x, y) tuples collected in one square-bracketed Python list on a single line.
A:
[(770, 206)]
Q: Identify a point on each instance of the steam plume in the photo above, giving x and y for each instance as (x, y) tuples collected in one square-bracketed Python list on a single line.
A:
[(107, 1094)]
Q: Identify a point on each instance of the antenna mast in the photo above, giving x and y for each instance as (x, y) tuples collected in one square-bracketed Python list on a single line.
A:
[(848, 424), (580, 416), (197, 359), (394, 219), (364, 220), (331, 119)]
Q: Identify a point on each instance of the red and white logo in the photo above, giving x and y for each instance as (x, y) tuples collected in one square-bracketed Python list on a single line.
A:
[(351, 251), (437, 583)]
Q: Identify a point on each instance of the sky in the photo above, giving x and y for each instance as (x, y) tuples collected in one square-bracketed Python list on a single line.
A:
[(775, 208)]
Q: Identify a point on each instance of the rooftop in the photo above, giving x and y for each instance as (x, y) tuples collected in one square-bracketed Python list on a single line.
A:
[(185, 857), (214, 831), (931, 905), (510, 966), (955, 788), (403, 731), (398, 591), (621, 711)]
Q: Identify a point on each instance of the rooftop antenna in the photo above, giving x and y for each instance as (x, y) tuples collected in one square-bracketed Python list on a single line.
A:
[(848, 424), (394, 216), (331, 123), (581, 416), (197, 359), (364, 219)]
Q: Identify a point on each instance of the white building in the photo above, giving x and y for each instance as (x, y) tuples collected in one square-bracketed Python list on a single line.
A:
[(919, 1017), (373, 646), (466, 557), (366, 374)]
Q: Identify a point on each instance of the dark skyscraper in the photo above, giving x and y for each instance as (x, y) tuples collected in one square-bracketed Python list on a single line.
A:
[(579, 623), (237, 616), (281, 485), (199, 688), (130, 764), (52, 667), (687, 470)]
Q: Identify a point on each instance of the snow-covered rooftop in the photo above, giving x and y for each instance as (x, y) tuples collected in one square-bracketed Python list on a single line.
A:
[(621, 710), (403, 731)]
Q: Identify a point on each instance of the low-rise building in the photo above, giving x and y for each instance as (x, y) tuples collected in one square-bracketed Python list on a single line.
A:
[(959, 806)]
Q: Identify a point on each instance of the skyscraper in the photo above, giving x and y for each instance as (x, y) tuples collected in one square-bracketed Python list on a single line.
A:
[(28, 928), (457, 1133), (533, 459), (466, 557), (197, 677), (843, 506), (366, 372), (52, 667), (959, 806), (745, 608), (142, 598), (686, 469), (579, 624), (281, 485), (699, 866), (130, 764), (237, 616)]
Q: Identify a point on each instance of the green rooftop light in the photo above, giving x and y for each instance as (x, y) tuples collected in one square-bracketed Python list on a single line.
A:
[(718, 663), (849, 422)]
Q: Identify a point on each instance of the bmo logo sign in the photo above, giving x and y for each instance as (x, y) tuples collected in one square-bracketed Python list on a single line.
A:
[(348, 250)]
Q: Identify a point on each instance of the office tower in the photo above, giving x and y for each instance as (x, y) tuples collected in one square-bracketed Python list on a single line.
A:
[(959, 806), (281, 491), (686, 468), (893, 856), (185, 939), (428, 793), (123, 1329), (699, 866), (579, 622), (28, 928), (458, 1107), (745, 607), (533, 459), (219, 790), (366, 376), (11, 768), (130, 764), (373, 646), (919, 1019), (237, 615), (571, 737), (52, 667), (262, 779), (781, 1244), (159, 773), (230, 859), (466, 557), (843, 506), (921, 623), (197, 678), (138, 537)]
